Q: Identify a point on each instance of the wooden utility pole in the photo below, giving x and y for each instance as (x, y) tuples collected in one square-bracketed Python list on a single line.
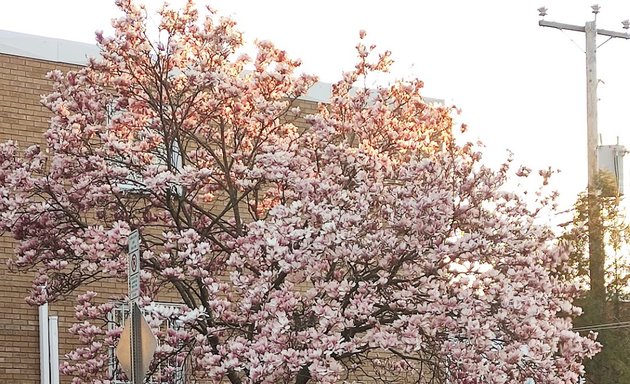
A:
[(596, 247), (597, 255), (591, 32)]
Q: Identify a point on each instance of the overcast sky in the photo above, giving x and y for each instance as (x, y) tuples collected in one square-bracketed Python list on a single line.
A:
[(520, 86)]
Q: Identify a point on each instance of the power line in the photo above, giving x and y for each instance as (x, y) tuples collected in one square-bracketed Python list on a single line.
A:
[(603, 326)]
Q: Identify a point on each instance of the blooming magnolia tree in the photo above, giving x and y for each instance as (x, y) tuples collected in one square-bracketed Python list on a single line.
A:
[(364, 245)]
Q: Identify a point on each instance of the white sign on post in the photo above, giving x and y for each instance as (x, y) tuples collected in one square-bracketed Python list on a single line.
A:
[(134, 266)]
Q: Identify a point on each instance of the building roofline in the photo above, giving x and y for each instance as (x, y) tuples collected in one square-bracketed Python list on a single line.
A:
[(74, 52), (46, 48)]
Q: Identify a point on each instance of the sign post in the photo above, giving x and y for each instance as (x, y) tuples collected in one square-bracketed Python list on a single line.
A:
[(136, 345), (134, 293)]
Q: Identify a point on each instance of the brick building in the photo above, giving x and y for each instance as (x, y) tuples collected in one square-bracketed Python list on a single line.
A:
[(24, 62)]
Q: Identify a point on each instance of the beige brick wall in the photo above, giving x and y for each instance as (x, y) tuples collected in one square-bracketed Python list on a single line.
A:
[(24, 119)]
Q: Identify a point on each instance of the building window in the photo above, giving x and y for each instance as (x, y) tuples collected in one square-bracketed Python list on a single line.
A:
[(173, 158), (135, 183), (171, 369)]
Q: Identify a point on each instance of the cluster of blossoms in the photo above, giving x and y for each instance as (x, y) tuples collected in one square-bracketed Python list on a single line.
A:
[(366, 244)]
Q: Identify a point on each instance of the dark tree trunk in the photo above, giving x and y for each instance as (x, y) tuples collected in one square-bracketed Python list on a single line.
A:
[(304, 376)]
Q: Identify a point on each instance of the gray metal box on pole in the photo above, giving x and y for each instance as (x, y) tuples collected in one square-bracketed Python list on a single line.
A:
[(610, 159)]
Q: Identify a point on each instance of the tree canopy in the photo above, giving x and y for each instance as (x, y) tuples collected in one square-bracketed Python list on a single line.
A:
[(363, 243)]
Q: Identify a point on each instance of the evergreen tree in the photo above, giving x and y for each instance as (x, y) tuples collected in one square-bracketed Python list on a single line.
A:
[(612, 364)]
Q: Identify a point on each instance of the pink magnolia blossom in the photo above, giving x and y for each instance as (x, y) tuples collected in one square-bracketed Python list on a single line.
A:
[(366, 243)]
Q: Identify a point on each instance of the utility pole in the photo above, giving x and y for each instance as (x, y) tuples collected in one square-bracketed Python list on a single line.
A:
[(595, 237)]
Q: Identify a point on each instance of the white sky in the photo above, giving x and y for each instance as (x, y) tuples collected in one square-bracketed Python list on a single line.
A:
[(520, 86)]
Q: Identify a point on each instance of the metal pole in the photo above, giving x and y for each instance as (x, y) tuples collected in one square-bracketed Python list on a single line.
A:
[(134, 311), (136, 345), (53, 346), (44, 363)]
